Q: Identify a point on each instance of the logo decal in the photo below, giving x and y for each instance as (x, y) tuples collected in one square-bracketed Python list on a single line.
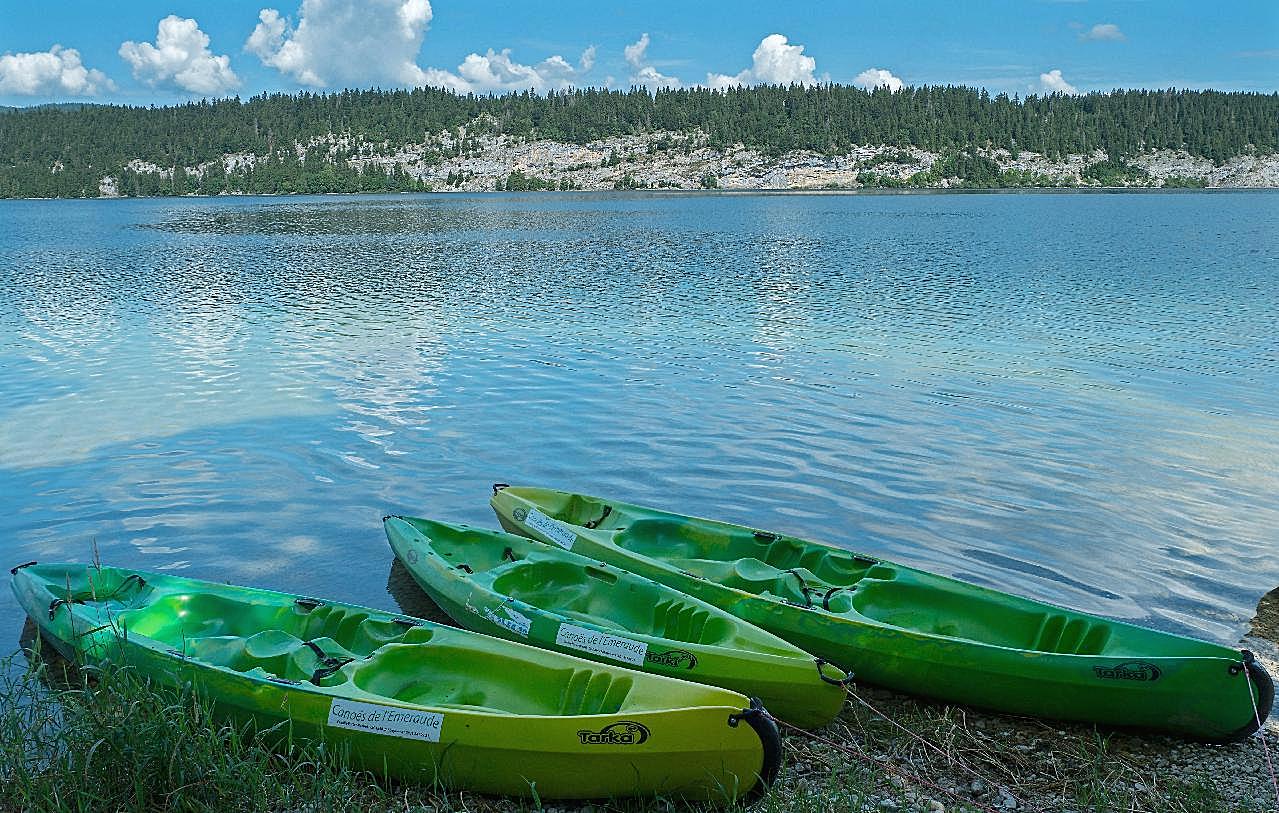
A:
[(677, 658), (411, 556), (1139, 671), (519, 514), (624, 732)]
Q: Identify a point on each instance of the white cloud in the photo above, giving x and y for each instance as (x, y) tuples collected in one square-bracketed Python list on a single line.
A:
[(1102, 32), (872, 78), (351, 43), (180, 58), (775, 62), (345, 42), (52, 72), (496, 71), (643, 73), (1054, 82)]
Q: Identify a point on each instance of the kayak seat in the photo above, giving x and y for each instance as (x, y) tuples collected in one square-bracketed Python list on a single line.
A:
[(181, 617), (953, 610), (460, 675), (272, 653), (795, 585), (588, 594), (750, 555), (353, 630), (178, 617)]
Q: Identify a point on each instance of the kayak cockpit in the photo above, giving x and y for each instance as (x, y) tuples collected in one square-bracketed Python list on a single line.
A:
[(844, 583), (593, 593)]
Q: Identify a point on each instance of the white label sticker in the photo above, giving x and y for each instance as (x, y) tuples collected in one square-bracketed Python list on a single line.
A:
[(553, 528), (513, 620), (390, 721), (601, 643)]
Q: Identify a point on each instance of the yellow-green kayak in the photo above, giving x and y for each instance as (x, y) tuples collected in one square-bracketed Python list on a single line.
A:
[(513, 587), (914, 631), (412, 699)]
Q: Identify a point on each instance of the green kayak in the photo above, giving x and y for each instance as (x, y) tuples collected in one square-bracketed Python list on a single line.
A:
[(411, 699), (513, 587), (913, 631)]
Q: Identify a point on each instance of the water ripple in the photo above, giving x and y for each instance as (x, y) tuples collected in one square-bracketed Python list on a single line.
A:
[(1071, 397)]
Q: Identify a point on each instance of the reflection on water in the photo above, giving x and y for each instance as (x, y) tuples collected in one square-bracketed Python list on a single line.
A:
[(1071, 397), (410, 598)]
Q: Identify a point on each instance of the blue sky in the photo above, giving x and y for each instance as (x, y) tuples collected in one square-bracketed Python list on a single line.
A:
[(161, 51)]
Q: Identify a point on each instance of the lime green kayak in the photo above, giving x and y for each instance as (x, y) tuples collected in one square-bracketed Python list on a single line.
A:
[(411, 699), (913, 631), (513, 587)]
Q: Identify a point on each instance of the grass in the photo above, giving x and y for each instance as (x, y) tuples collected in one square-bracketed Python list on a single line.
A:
[(73, 740)]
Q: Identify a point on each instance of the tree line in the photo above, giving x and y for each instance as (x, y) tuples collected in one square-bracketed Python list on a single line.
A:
[(64, 150)]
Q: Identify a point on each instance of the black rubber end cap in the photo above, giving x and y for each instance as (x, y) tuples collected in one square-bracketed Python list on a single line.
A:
[(758, 718), (1263, 687)]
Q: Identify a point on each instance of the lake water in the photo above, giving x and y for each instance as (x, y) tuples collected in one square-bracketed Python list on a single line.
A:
[(1072, 397)]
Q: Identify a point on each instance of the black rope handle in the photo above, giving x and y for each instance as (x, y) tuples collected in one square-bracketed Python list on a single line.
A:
[(58, 602), (843, 684), (829, 593), (330, 669), (13, 571), (499, 486), (329, 664), (608, 509), (809, 591), (308, 604)]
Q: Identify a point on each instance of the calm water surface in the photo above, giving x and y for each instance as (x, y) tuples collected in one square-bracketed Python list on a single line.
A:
[(1073, 397)]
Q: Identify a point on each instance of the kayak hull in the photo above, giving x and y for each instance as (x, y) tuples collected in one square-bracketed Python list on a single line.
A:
[(419, 702), (511, 587), (917, 632)]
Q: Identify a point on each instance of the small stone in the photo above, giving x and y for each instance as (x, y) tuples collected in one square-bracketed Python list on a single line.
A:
[(935, 806), (887, 804), (977, 786)]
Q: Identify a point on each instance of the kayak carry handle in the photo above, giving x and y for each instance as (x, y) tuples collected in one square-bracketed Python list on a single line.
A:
[(329, 664), (843, 684), (58, 602), (13, 571), (308, 604), (608, 509), (499, 486)]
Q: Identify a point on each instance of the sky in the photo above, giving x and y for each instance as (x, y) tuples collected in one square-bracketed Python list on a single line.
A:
[(165, 51)]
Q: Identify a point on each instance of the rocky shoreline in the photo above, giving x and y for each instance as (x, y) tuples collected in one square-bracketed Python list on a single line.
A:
[(465, 162)]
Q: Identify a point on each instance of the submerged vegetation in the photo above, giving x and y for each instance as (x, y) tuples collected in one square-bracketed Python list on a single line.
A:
[(324, 142), (86, 741)]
